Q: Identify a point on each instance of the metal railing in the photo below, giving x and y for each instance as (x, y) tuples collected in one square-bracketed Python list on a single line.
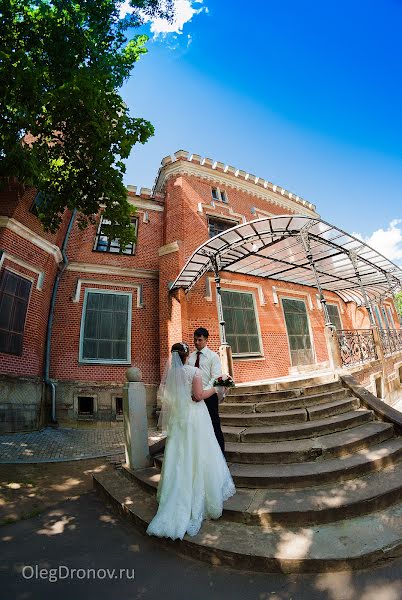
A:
[(356, 345), (391, 340)]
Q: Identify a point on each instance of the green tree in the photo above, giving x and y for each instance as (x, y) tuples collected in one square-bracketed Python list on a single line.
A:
[(64, 128)]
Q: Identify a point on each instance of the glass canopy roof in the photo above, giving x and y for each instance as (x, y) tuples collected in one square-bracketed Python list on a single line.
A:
[(272, 247)]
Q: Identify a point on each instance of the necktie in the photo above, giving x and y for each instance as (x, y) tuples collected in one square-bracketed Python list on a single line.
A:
[(197, 360)]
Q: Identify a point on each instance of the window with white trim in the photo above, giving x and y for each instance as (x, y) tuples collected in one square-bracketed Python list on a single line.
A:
[(219, 195), (334, 315), (14, 299), (242, 332), (106, 327), (105, 244)]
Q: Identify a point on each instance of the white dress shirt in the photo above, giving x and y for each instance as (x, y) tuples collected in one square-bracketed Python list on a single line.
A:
[(210, 366)]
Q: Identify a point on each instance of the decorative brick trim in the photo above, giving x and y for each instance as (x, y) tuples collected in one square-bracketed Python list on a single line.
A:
[(111, 270), (168, 249), (30, 236), (22, 263), (102, 282), (229, 176), (246, 284)]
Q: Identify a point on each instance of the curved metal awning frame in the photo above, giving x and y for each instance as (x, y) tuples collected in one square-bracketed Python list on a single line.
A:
[(275, 248)]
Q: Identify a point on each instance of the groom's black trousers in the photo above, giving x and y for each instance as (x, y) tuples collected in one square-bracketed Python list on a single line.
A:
[(213, 408)]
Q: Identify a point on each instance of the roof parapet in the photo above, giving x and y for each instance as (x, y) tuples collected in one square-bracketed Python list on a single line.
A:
[(238, 173)]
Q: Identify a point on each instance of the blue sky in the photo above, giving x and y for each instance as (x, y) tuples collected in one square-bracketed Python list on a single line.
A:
[(305, 94)]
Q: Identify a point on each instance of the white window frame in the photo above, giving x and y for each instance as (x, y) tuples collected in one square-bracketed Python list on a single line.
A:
[(222, 195), (249, 354), (105, 361), (309, 328)]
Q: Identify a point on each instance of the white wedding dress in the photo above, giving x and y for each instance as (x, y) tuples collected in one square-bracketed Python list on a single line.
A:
[(195, 479)]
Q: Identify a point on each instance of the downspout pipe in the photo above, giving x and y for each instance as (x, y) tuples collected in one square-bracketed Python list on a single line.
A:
[(61, 268)]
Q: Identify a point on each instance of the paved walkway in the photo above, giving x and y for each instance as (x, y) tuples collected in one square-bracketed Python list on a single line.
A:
[(58, 445)]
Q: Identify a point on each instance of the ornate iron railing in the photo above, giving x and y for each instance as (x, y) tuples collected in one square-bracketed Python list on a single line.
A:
[(356, 345), (391, 340)]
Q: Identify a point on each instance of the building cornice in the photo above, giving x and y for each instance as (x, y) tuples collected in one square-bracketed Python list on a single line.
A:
[(144, 204), (22, 263), (111, 270), (206, 169), (169, 248), (31, 236)]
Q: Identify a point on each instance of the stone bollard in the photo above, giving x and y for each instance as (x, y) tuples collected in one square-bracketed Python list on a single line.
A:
[(135, 421)]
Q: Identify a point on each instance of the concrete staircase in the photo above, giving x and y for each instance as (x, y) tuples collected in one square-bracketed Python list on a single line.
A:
[(318, 477)]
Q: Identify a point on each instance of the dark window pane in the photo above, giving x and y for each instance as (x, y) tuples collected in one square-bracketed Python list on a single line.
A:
[(93, 300), (254, 343), (107, 301), (243, 344), (120, 327), (120, 350), (105, 349), (14, 296), (6, 306), (91, 324), (105, 326), (89, 349)]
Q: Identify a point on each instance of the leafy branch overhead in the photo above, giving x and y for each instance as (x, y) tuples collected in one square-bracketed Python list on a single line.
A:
[(64, 128)]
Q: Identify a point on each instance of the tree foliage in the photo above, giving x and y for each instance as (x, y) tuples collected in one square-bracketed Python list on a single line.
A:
[(64, 128)]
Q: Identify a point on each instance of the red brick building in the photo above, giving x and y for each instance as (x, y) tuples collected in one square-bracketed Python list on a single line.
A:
[(114, 308)]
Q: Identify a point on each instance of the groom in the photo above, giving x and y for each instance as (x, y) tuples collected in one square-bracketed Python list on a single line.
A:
[(210, 366)]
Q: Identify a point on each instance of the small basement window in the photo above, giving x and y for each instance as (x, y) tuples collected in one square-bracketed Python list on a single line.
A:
[(85, 406), (119, 407)]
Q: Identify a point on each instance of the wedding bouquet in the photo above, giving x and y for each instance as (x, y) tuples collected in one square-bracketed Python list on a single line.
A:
[(224, 381)]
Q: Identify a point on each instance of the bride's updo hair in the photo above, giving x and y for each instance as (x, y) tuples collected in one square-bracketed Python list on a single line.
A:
[(183, 350)]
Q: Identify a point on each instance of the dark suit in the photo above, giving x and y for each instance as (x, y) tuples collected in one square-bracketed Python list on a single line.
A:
[(213, 408)]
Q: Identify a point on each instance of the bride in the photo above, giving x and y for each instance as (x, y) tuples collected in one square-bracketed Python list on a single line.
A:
[(195, 479)]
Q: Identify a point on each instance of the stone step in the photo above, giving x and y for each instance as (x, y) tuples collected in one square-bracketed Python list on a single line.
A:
[(287, 384), (298, 415), (332, 408), (282, 393), (257, 404), (357, 542), (299, 475), (299, 430), (332, 445), (329, 503), (301, 506)]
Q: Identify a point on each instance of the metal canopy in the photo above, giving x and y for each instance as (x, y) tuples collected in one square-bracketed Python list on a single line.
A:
[(272, 247)]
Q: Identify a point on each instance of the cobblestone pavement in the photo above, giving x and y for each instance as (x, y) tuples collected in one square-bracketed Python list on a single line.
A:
[(57, 445), (53, 445)]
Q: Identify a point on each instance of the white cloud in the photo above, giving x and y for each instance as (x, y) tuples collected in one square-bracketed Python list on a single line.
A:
[(386, 241), (184, 10)]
